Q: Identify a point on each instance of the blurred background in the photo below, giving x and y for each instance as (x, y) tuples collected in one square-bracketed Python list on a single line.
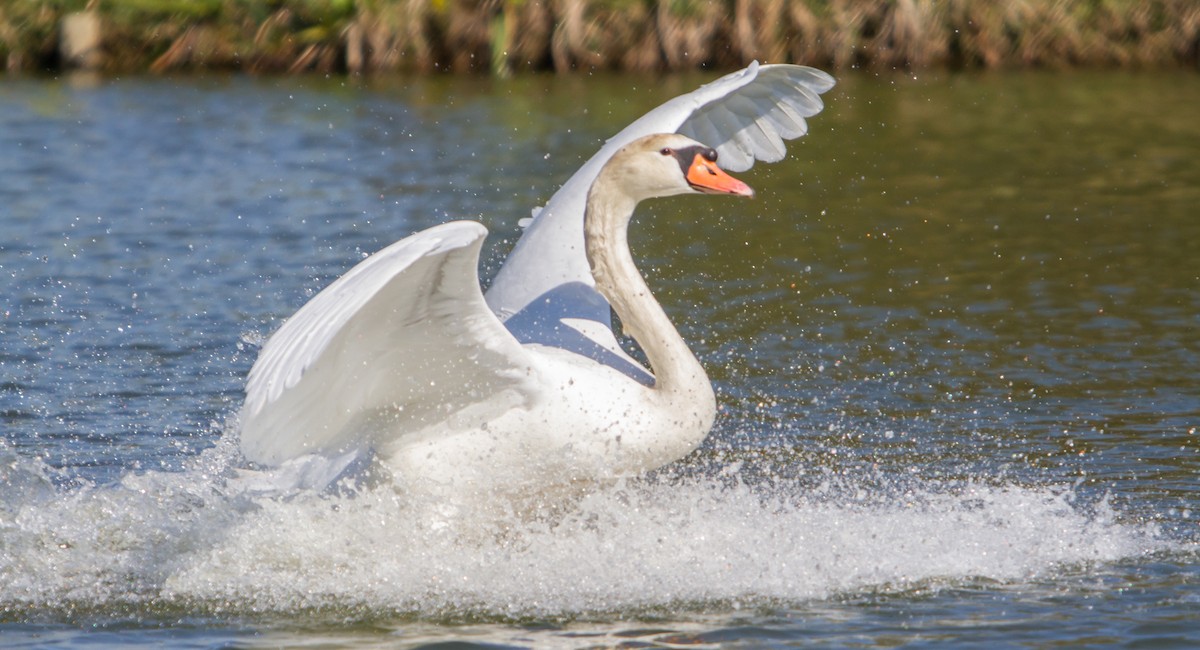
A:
[(501, 36)]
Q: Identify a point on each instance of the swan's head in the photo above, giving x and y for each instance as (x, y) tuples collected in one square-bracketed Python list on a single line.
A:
[(670, 164)]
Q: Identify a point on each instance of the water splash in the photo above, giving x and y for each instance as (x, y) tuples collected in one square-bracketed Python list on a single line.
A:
[(198, 540)]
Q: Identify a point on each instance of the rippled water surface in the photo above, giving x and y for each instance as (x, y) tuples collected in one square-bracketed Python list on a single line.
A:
[(955, 339)]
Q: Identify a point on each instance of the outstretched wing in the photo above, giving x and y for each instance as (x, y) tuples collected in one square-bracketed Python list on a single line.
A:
[(746, 116), (403, 338)]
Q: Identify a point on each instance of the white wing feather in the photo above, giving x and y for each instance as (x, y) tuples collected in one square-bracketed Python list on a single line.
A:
[(745, 116), (752, 121), (405, 336)]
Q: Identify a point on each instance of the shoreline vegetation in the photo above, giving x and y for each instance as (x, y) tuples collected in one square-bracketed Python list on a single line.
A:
[(505, 36)]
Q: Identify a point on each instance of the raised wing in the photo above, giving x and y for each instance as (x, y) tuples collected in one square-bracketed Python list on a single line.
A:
[(401, 340), (752, 121), (746, 116)]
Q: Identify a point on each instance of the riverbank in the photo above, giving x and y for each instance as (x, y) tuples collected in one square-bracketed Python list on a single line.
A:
[(502, 36)]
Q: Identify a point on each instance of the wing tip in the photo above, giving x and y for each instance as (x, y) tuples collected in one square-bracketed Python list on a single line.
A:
[(455, 234), (814, 79)]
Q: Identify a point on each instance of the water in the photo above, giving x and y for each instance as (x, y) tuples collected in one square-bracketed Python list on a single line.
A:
[(955, 341)]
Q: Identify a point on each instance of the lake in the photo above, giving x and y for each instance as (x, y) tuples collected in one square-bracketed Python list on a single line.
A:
[(955, 341)]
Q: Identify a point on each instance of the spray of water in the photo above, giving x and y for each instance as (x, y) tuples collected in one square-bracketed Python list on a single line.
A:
[(202, 541)]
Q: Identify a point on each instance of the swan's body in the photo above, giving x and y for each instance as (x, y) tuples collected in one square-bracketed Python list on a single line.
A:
[(403, 356)]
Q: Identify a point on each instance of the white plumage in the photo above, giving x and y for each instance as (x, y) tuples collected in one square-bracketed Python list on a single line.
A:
[(403, 356)]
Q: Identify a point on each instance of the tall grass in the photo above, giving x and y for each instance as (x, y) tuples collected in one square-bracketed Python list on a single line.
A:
[(502, 36)]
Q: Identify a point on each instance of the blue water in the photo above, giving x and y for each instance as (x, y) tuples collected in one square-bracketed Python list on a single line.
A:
[(955, 342)]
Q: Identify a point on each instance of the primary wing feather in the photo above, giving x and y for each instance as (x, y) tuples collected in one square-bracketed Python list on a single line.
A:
[(748, 123), (404, 337)]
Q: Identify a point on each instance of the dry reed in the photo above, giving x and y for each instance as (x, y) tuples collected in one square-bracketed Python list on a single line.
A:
[(501, 36)]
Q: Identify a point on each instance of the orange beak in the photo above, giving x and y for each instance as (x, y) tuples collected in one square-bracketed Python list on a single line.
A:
[(704, 176)]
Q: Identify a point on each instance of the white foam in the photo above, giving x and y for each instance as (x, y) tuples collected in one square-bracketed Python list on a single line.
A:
[(193, 538)]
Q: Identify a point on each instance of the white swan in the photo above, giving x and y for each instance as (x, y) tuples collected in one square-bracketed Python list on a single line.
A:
[(403, 357)]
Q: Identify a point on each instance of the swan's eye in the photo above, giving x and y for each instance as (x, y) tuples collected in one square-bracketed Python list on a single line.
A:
[(710, 155), (666, 151)]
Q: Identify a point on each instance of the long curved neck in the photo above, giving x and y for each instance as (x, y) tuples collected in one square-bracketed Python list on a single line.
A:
[(606, 227)]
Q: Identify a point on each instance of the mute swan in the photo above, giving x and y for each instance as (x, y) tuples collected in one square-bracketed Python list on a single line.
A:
[(404, 358)]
